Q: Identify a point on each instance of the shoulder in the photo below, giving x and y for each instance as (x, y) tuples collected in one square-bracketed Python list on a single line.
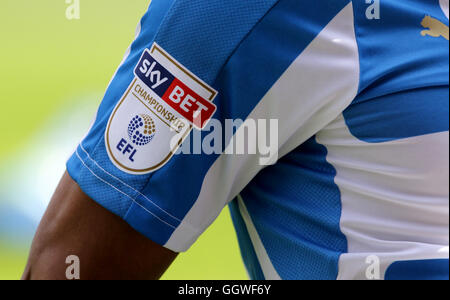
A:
[(202, 34)]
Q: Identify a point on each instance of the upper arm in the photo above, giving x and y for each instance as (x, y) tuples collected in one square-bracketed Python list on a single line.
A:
[(106, 246)]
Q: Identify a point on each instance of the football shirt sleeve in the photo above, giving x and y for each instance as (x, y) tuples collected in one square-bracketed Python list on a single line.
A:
[(200, 75)]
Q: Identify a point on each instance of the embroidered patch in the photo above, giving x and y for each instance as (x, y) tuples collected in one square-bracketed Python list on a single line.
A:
[(162, 105)]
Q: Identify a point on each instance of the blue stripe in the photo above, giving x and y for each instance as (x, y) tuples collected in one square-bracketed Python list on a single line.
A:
[(401, 115), (432, 269), (202, 34), (266, 54), (298, 214), (404, 75), (394, 56)]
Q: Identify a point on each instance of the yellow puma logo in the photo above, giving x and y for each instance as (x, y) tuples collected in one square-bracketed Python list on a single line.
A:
[(435, 28)]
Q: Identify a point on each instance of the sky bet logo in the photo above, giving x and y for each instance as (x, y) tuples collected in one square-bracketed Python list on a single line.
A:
[(161, 107), (179, 96)]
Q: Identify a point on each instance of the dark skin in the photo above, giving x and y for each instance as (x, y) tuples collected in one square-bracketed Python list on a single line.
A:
[(107, 246)]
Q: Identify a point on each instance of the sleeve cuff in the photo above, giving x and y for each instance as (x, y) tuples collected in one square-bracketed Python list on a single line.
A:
[(136, 209)]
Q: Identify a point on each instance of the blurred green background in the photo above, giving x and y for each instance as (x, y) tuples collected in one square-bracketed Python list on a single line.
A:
[(53, 73)]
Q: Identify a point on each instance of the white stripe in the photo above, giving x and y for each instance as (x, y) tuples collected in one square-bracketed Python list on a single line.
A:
[(394, 197), (312, 92), (264, 260)]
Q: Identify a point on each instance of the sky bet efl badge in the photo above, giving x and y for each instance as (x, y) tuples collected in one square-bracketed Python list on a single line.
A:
[(158, 111)]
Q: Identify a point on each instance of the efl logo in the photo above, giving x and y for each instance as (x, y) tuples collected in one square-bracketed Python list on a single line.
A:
[(164, 101)]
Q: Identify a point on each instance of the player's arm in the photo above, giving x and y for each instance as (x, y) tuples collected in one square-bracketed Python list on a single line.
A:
[(107, 246)]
